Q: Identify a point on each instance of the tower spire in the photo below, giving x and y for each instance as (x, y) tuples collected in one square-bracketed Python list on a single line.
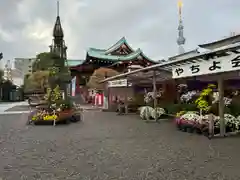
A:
[(181, 40), (57, 30), (57, 8), (180, 4), (58, 45)]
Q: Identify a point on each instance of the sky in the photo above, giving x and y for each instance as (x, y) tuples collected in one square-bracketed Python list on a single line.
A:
[(26, 25)]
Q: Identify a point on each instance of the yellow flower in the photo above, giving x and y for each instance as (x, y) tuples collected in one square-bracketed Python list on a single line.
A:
[(211, 86), (201, 102), (206, 92), (50, 117), (180, 113)]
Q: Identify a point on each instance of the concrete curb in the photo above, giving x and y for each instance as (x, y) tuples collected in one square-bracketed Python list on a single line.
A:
[(6, 106), (14, 112)]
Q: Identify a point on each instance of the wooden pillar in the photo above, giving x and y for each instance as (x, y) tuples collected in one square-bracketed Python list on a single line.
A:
[(176, 83), (77, 88), (165, 94), (211, 126), (126, 100), (154, 94), (221, 106), (105, 96)]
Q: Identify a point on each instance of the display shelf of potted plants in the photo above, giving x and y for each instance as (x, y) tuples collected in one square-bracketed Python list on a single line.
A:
[(62, 115), (232, 125), (190, 122), (58, 109)]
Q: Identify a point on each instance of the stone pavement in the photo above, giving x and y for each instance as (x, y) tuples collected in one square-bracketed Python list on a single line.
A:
[(4, 106), (109, 147)]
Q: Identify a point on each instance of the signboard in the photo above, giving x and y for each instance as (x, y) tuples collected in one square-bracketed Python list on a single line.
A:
[(118, 83), (73, 82), (212, 66)]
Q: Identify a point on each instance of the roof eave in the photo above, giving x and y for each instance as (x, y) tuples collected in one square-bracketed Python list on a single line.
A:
[(184, 54), (147, 58), (234, 39), (174, 62)]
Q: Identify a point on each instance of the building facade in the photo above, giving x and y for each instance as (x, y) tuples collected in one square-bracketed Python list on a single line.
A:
[(23, 65), (120, 57)]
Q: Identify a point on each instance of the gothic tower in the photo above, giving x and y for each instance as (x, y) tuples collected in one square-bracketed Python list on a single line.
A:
[(58, 44), (180, 40)]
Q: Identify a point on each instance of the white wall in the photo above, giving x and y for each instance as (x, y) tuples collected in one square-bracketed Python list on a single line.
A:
[(18, 81), (24, 65)]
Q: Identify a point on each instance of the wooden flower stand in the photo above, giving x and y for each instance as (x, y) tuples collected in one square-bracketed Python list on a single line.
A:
[(63, 117), (65, 114), (70, 115), (45, 122)]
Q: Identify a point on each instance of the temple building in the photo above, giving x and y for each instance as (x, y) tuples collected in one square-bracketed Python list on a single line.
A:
[(120, 57)]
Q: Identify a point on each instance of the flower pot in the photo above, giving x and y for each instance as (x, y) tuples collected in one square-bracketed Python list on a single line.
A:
[(43, 122), (76, 118), (66, 114)]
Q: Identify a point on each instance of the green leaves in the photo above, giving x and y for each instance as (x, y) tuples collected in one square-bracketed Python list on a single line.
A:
[(36, 81), (99, 75), (202, 102), (1, 75), (46, 60)]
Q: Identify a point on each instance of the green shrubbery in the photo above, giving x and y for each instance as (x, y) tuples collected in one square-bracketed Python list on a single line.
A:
[(175, 108)]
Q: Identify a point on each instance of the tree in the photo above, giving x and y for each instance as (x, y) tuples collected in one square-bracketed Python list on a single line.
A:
[(1, 75), (36, 81), (99, 75), (46, 60), (43, 64)]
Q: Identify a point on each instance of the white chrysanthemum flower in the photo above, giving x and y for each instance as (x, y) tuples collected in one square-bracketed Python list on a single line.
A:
[(157, 112), (191, 117), (145, 112), (188, 96), (227, 101)]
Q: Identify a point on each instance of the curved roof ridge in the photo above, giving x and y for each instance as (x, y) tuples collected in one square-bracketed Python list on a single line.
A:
[(96, 49), (134, 53), (145, 56), (138, 50), (131, 56), (120, 41), (118, 44)]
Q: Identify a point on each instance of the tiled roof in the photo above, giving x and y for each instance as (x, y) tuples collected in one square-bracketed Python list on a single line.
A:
[(117, 45), (74, 62), (186, 54), (222, 42), (102, 55)]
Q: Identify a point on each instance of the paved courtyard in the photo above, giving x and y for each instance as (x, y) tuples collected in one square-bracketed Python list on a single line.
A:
[(110, 147)]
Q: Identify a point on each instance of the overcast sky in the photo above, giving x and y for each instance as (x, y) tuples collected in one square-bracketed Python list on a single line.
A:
[(26, 25)]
